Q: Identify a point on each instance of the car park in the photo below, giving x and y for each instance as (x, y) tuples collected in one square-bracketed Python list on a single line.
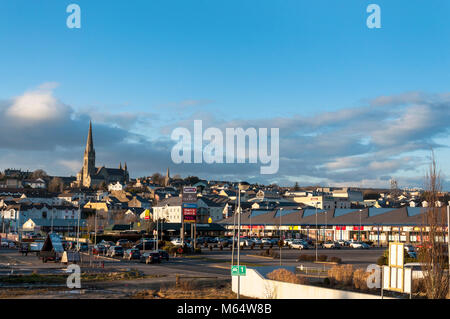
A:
[(99, 250), (288, 241), (125, 243), (151, 257), (359, 244), (115, 251), (132, 253), (163, 255), (331, 244), (83, 247), (299, 244)]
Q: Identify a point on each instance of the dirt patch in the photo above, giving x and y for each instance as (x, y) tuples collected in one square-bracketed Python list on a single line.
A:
[(190, 289)]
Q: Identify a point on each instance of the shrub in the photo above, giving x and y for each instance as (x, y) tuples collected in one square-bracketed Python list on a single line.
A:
[(172, 250), (327, 281), (306, 258), (261, 246), (381, 261), (335, 259), (284, 275), (341, 274), (418, 285), (360, 279), (322, 258)]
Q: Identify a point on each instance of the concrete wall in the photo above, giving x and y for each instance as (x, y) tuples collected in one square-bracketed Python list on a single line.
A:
[(254, 285)]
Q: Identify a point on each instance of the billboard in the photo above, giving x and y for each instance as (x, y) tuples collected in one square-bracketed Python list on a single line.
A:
[(189, 195)]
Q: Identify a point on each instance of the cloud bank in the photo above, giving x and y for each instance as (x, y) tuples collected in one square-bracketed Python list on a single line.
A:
[(360, 146)]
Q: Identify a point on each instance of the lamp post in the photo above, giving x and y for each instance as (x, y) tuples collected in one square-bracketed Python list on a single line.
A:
[(281, 212), (448, 238), (242, 186), (78, 228), (360, 224), (316, 230)]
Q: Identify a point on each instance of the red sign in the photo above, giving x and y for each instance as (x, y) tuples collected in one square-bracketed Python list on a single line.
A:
[(252, 227), (340, 227), (189, 215), (358, 228)]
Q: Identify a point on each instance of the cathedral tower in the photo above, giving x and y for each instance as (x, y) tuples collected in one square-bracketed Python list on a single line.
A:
[(89, 157)]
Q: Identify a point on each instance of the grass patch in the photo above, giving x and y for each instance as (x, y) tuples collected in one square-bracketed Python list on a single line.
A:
[(62, 278), (189, 289)]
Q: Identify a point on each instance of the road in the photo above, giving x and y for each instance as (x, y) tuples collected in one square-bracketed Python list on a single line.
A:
[(209, 265)]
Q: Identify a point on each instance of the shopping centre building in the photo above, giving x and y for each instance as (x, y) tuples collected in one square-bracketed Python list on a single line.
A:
[(379, 225)]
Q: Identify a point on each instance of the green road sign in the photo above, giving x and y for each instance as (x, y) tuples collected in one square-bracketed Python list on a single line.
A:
[(238, 270)]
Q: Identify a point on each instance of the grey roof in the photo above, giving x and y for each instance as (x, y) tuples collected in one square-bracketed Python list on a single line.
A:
[(398, 216)]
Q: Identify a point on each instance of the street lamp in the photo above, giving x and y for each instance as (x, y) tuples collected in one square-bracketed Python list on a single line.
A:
[(242, 186), (281, 212), (316, 230), (448, 238), (360, 224)]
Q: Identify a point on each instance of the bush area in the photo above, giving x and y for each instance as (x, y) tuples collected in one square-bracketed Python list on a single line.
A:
[(383, 260), (285, 275), (269, 253), (322, 258)]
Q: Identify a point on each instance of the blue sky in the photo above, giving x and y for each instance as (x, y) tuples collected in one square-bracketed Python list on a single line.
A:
[(140, 68)]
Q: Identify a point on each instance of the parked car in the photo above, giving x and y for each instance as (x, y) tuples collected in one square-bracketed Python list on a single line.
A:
[(177, 242), (6, 243), (359, 244), (125, 243), (343, 242), (299, 244), (99, 250), (288, 241), (83, 247), (331, 245), (164, 255), (257, 241), (151, 257), (115, 251), (132, 253), (107, 244), (266, 241), (146, 245)]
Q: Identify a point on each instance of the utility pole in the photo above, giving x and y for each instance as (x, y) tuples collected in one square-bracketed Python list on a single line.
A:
[(241, 186), (281, 211), (448, 240), (78, 228), (239, 241), (316, 232), (95, 230), (360, 224)]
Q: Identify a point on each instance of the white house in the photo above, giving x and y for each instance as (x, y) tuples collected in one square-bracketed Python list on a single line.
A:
[(116, 187)]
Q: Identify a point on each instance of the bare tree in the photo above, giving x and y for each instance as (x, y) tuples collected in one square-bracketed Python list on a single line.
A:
[(56, 185), (432, 255), (39, 173)]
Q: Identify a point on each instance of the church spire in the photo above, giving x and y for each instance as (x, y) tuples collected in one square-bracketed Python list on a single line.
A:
[(120, 165), (125, 167), (90, 141)]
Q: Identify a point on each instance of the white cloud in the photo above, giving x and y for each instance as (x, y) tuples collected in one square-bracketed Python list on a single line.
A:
[(38, 106)]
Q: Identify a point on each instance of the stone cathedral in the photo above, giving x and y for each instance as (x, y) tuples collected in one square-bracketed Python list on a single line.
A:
[(90, 175)]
